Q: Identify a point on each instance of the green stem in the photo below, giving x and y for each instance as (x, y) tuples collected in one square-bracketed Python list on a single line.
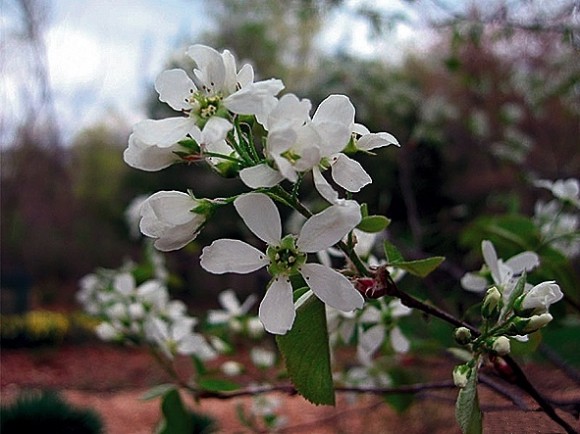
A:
[(223, 157)]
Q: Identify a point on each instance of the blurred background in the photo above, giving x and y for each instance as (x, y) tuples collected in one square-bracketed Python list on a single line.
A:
[(484, 97)]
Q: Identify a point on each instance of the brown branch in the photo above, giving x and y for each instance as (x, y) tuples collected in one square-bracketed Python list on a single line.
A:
[(521, 380), (291, 390)]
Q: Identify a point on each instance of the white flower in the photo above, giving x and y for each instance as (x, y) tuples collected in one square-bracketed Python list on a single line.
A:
[(367, 141), (170, 218), (567, 190), (334, 122), (107, 332), (150, 157), (502, 273), (501, 345), (232, 308), (540, 297), (232, 368), (262, 358), (559, 228), (286, 256), (217, 87), (374, 323), (178, 338)]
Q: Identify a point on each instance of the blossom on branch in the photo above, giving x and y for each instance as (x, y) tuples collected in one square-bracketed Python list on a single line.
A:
[(287, 256)]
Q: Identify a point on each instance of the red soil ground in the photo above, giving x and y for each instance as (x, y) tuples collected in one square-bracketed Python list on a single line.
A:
[(111, 380)]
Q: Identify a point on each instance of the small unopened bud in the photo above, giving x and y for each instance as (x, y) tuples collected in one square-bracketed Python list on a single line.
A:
[(536, 322), (501, 346), (490, 307), (461, 375), (462, 335)]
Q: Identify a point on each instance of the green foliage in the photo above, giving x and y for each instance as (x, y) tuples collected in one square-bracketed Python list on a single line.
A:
[(467, 411), (177, 419), (47, 412), (217, 385), (418, 267), (307, 355), (374, 224)]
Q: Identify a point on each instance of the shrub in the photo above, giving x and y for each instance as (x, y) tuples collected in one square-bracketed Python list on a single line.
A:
[(47, 412)]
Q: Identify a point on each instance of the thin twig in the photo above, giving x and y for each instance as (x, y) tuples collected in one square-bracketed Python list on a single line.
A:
[(291, 390)]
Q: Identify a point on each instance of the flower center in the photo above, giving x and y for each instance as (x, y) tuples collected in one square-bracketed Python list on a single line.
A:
[(204, 106), (285, 258)]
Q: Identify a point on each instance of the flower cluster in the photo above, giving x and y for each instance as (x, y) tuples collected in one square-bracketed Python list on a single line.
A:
[(511, 307), (141, 314), (559, 219), (219, 106)]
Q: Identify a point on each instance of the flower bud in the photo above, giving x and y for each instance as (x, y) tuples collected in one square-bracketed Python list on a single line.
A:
[(173, 218), (501, 345), (536, 322), (490, 307), (462, 335), (461, 375)]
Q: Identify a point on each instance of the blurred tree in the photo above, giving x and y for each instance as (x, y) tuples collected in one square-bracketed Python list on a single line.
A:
[(278, 37)]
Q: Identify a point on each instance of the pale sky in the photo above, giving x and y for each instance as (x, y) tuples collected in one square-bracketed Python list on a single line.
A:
[(103, 55)]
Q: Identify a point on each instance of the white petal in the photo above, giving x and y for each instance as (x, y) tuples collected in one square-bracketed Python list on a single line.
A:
[(335, 108), (149, 157), (398, 341), (334, 119), (360, 129), (177, 237), (174, 88), (261, 175), (229, 301), (328, 227), (217, 317), (371, 339), (261, 216), (490, 257), (376, 140), (124, 283), (473, 282), (232, 256), (277, 308), (215, 130), (323, 187), (349, 173), (254, 98), (289, 112), (332, 287), (211, 70), (172, 207), (163, 132), (245, 75), (523, 261)]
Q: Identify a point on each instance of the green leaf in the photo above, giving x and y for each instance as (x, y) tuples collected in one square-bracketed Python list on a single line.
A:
[(421, 267), (373, 223), (157, 391), (176, 418), (392, 253), (467, 411), (217, 385), (517, 291), (307, 355)]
